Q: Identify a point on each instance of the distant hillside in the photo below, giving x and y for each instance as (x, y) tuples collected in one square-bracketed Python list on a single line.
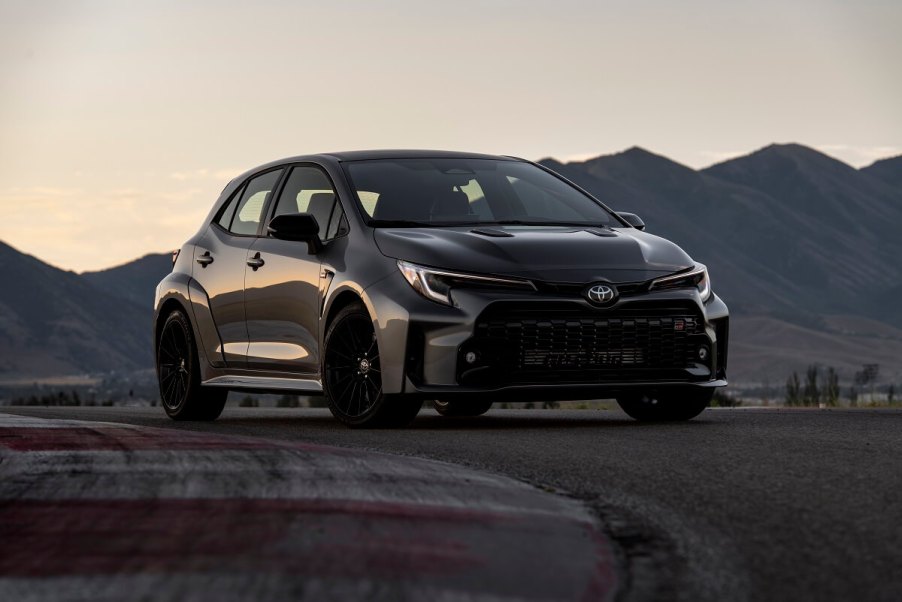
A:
[(793, 238), (54, 322), (766, 349), (135, 280), (709, 217), (846, 242), (786, 231), (888, 170)]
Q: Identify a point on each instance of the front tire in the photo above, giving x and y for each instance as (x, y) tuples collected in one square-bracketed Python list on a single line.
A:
[(461, 408), (665, 406), (352, 375), (178, 372)]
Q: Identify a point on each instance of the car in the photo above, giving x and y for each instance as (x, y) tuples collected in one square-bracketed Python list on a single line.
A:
[(382, 279)]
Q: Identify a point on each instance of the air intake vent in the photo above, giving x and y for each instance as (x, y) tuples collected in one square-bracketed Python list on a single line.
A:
[(585, 346)]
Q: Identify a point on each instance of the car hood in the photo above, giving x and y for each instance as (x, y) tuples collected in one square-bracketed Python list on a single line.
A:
[(549, 254)]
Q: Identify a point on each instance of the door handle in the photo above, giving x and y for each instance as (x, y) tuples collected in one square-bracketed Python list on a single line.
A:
[(205, 259), (256, 262)]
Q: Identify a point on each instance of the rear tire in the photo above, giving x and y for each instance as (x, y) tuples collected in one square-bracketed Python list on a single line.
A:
[(352, 375), (666, 406), (178, 372), (461, 408)]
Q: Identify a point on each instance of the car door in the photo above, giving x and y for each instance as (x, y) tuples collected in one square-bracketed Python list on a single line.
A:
[(282, 293), (221, 258)]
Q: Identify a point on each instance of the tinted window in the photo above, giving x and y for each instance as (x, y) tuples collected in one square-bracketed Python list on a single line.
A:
[(338, 225), (476, 199), (224, 218), (540, 203), (308, 190), (469, 191), (250, 208)]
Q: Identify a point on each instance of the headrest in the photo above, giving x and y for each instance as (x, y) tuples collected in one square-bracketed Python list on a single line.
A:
[(321, 201), (451, 203), (320, 206), (395, 205)]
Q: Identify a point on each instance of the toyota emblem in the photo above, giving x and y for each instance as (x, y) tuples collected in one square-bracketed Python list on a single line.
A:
[(601, 293)]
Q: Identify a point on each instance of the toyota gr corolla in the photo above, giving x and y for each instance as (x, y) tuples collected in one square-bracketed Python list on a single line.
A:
[(382, 279)]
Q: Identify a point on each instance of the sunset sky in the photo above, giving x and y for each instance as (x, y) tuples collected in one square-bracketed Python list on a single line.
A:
[(120, 122)]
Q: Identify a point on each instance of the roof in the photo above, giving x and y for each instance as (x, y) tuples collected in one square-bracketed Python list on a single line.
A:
[(365, 155)]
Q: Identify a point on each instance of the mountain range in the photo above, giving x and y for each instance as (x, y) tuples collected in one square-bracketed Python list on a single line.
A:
[(54, 322), (804, 248)]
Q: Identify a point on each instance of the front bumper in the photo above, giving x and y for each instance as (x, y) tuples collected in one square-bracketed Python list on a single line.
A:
[(534, 346)]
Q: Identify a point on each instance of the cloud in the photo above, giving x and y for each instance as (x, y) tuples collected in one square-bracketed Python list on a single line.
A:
[(221, 175), (721, 156), (18, 194), (85, 230), (578, 157), (859, 156), (181, 196)]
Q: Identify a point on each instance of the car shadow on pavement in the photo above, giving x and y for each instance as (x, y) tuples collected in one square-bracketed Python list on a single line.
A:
[(537, 421), (498, 420)]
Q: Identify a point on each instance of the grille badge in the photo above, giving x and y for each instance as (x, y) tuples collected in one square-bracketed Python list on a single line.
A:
[(601, 293)]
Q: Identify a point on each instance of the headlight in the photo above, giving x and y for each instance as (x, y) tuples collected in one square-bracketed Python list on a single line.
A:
[(697, 277), (437, 284)]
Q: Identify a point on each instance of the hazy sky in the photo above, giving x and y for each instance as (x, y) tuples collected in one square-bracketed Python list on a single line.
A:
[(120, 122)]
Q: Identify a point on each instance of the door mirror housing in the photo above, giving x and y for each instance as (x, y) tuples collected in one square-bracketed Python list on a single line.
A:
[(301, 227), (632, 219)]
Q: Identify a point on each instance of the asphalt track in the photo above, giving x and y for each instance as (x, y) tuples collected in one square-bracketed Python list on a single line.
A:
[(735, 505)]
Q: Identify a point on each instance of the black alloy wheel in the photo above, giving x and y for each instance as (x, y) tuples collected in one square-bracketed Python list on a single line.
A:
[(178, 372), (666, 406), (352, 374), (174, 362)]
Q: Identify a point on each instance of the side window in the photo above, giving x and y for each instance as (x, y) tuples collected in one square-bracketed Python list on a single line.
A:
[(308, 190), (338, 226), (224, 218), (253, 199), (368, 199)]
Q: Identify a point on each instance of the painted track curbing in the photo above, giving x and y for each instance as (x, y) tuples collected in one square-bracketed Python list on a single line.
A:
[(100, 511)]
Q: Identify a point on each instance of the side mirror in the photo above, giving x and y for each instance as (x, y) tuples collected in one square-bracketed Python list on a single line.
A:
[(632, 219), (301, 227)]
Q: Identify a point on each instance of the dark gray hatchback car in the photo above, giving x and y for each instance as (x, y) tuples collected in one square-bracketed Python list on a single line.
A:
[(381, 279)]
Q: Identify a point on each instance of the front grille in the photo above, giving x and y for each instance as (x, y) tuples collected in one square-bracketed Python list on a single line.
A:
[(648, 343), (627, 289)]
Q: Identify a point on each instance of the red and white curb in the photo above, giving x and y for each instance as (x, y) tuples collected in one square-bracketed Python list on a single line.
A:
[(102, 511)]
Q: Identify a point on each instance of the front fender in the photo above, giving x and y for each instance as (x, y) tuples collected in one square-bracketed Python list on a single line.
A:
[(180, 288), (389, 322), (715, 308)]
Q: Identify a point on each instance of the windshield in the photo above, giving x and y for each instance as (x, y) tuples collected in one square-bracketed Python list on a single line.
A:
[(433, 192)]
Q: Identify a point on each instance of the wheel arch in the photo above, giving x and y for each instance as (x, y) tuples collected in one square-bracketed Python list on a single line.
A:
[(341, 300), (389, 323), (174, 293), (167, 307)]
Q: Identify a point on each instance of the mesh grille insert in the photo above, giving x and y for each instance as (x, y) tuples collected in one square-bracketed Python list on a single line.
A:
[(585, 346)]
